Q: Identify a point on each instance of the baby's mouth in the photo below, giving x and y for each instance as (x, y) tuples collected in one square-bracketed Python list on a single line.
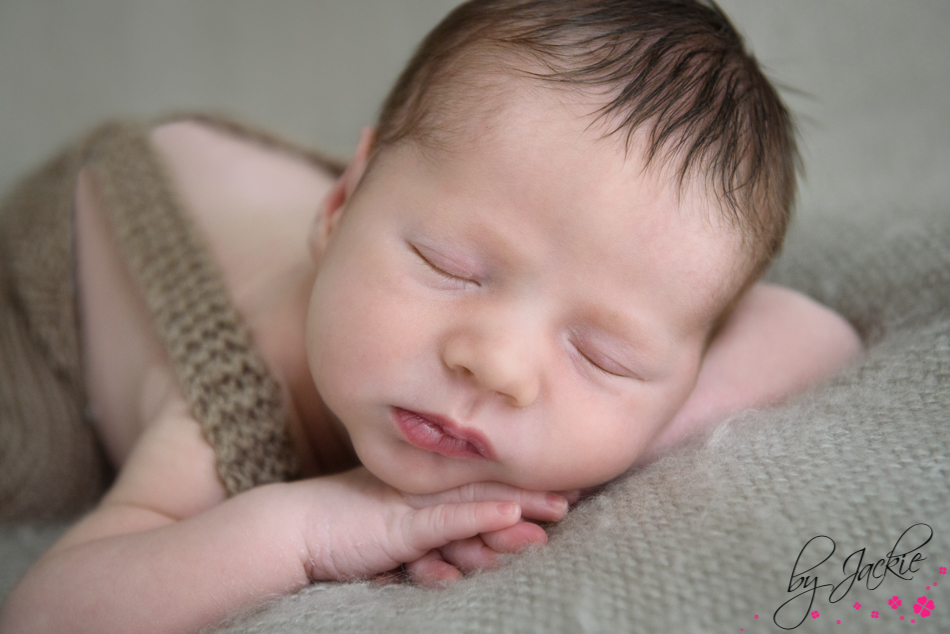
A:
[(440, 435)]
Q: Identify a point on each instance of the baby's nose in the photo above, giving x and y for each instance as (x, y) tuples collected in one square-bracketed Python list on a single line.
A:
[(497, 363)]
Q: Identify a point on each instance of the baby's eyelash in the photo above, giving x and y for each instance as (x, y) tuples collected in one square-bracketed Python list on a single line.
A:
[(442, 272), (626, 374), (597, 366)]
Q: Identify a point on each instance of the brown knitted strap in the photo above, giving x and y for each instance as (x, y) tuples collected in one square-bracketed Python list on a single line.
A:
[(228, 386)]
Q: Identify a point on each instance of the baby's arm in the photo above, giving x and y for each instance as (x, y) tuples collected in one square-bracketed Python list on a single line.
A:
[(777, 342), (166, 552)]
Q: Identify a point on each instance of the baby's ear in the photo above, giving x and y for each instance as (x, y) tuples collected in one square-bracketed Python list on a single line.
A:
[(333, 204)]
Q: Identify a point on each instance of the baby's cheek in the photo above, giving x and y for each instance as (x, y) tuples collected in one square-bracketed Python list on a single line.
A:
[(628, 430), (594, 445), (331, 333), (365, 340)]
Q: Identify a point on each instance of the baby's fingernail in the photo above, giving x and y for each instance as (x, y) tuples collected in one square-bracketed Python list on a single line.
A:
[(572, 496), (507, 508), (556, 501)]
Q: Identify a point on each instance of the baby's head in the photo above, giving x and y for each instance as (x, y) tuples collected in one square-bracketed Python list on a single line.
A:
[(519, 274)]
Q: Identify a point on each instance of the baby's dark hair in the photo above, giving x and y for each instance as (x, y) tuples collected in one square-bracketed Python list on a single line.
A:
[(675, 72)]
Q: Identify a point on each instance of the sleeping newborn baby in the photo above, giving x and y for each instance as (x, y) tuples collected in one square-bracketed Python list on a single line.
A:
[(539, 269)]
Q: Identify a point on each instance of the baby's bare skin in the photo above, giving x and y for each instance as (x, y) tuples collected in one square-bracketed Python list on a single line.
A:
[(166, 534)]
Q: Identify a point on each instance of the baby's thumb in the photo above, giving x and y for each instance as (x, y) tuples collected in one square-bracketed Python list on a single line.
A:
[(435, 526)]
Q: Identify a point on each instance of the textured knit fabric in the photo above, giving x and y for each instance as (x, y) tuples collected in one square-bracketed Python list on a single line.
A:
[(705, 539), (50, 463)]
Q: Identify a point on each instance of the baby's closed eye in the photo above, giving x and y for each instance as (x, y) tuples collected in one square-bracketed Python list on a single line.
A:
[(601, 356), (605, 364), (444, 267)]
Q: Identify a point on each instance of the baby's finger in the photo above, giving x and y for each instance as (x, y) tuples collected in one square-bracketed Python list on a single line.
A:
[(469, 555), (536, 505), (544, 507), (514, 538), (481, 552), (571, 496), (435, 526), (431, 571), (577, 495)]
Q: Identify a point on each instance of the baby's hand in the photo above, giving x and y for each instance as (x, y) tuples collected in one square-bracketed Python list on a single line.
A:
[(360, 526), (445, 565)]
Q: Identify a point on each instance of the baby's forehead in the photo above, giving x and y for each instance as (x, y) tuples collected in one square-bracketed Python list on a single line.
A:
[(532, 176), (479, 105), (508, 106)]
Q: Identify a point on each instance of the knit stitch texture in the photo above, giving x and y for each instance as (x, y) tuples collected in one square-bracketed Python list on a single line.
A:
[(51, 464)]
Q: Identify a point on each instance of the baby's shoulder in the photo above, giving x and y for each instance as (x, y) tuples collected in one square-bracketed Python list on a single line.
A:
[(796, 318), (235, 167), (254, 203)]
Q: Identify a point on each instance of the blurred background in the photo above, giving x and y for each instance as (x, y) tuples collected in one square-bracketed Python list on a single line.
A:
[(871, 78)]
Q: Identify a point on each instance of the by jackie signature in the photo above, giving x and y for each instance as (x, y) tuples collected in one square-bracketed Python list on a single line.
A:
[(902, 561)]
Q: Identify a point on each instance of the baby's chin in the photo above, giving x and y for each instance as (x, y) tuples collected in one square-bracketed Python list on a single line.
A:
[(421, 483), (428, 484), (404, 480)]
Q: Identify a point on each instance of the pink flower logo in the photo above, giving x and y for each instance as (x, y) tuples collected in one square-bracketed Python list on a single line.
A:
[(923, 607), (857, 606), (943, 570), (894, 602), (814, 614), (873, 614)]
